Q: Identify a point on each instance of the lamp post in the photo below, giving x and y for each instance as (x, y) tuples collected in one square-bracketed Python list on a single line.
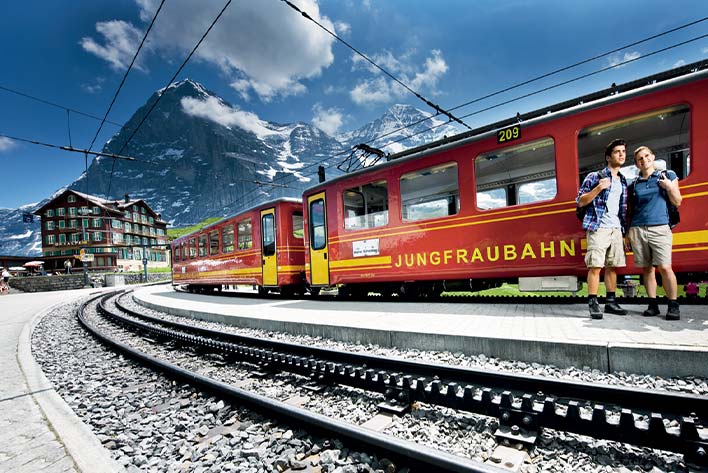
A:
[(84, 241)]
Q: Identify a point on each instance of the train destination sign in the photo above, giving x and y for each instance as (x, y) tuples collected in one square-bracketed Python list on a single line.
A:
[(508, 134), (365, 248)]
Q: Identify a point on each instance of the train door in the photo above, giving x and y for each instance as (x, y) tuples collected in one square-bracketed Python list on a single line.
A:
[(270, 260), (319, 264)]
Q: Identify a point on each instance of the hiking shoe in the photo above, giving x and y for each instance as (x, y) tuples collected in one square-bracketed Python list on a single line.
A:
[(673, 313), (595, 311), (651, 312), (614, 308)]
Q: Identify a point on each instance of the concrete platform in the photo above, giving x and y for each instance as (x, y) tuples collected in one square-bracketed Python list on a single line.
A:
[(38, 430), (559, 334)]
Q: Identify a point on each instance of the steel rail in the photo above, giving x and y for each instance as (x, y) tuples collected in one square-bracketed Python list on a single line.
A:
[(411, 453), (637, 399), (471, 390)]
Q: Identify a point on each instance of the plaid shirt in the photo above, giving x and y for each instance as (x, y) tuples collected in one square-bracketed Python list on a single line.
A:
[(598, 206)]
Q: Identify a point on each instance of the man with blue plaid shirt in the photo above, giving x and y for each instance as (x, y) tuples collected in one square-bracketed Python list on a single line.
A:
[(605, 195)]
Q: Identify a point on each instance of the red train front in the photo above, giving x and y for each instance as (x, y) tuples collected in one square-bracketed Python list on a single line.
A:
[(483, 208), (262, 246)]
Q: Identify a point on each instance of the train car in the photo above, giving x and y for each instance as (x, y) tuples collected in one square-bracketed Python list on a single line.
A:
[(498, 203), (262, 246)]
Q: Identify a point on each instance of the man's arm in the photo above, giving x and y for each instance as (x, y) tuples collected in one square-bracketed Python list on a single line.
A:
[(672, 189), (587, 197)]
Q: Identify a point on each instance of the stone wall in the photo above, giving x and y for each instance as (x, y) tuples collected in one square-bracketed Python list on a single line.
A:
[(132, 278), (65, 282), (48, 283)]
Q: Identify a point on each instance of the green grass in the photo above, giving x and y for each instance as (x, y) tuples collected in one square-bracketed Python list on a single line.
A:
[(513, 290), (174, 233)]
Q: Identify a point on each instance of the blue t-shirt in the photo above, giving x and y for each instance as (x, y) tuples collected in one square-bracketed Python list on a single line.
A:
[(648, 201)]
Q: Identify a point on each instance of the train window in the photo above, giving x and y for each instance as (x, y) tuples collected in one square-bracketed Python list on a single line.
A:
[(245, 234), (430, 193), (202, 245), (519, 174), (175, 252), (184, 253), (366, 206), (227, 239), (298, 230), (192, 244), (214, 242), (268, 230), (318, 236), (665, 131)]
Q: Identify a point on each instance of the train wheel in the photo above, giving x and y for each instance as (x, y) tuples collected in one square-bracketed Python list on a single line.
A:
[(262, 291), (287, 291), (408, 291), (315, 291)]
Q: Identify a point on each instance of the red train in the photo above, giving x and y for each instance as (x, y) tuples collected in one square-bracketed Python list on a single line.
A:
[(491, 205), (262, 246)]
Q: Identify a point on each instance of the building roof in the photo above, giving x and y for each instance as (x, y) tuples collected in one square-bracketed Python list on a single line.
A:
[(116, 207)]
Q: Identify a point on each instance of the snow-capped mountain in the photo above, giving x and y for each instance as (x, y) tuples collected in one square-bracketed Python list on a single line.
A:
[(18, 238), (400, 128), (197, 156)]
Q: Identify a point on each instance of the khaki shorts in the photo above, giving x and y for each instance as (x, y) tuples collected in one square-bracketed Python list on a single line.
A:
[(651, 245), (605, 248)]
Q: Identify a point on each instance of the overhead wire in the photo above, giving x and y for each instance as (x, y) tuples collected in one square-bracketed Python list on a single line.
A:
[(66, 148), (115, 96), (54, 104), (436, 107), (174, 76), (560, 84), (161, 93), (127, 71), (545, 89)]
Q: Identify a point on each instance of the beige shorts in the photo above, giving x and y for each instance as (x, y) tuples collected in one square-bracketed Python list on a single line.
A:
[(605, 248), (651, 245)]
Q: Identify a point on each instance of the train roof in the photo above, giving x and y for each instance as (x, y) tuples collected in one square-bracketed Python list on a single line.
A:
[(294, 200), (615, 93)]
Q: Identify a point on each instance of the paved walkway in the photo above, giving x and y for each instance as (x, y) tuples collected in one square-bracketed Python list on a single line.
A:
[(561, 334), (38, 431)]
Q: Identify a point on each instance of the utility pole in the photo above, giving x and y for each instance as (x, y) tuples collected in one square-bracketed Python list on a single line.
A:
[(84, 217)]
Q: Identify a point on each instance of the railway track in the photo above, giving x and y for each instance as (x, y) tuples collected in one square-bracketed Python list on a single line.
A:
[(415, 456), (523, 405)]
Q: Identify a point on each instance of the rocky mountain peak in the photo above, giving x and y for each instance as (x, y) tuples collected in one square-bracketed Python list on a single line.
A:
[(191, 164)]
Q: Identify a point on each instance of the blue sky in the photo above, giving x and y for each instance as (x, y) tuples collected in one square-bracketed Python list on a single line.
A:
[(265, 59)]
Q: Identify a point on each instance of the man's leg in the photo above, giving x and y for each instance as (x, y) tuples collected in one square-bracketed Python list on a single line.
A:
[(593, 286), (671, 288), (611, 305), (649, 278)]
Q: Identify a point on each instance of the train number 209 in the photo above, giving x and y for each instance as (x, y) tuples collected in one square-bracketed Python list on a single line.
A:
[(509, 134)]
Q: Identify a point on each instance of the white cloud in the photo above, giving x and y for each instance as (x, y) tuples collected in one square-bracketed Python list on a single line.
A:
[(241, 86), (6, 143), (328, 120), (382, 90), (121, 42), (371, 91), (342, 28), (96, 87), (679, 63), (217, 111), (616, 58), (264, 47)]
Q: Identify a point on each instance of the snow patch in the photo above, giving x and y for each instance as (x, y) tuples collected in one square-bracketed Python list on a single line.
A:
[(20, 237)]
